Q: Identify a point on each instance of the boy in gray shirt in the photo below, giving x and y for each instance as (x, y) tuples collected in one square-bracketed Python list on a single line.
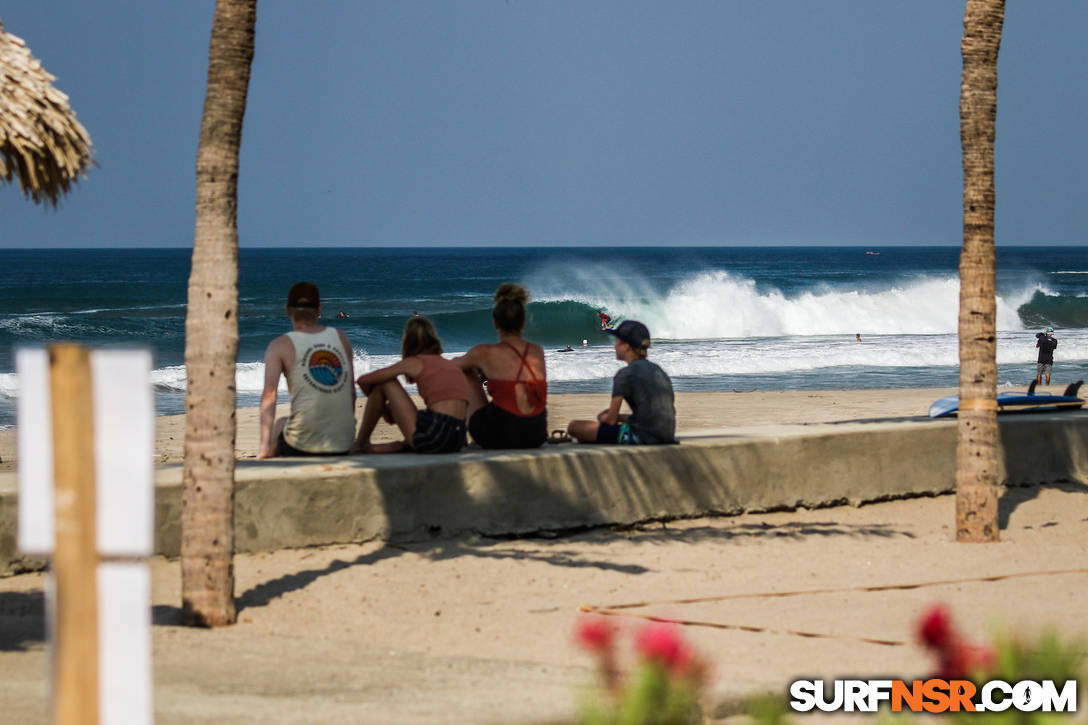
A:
[(647, 390)]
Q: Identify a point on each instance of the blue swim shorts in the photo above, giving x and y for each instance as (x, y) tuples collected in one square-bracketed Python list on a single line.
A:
[(620, 434)]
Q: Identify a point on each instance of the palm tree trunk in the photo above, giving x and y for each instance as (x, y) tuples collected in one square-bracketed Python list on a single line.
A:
[(976, 450), (211, 327)]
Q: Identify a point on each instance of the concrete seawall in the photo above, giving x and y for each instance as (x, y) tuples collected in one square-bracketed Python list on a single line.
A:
[(300, 503)]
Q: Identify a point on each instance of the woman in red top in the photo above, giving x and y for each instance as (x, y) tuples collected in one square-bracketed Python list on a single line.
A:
[(516, 416), (438, 428)]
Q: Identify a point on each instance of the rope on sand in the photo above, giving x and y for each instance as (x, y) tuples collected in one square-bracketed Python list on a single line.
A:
[(619, 610)]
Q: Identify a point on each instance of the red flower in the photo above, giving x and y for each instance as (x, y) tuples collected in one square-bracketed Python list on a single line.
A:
[(956, 657), (662, 643), (935, 628), (955, 663), (595, 634), (961, 661)]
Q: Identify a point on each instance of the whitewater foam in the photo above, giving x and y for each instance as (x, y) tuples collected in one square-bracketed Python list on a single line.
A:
[(249, 376), (39, 326), (707, 358), (720, 305), (9, 385)]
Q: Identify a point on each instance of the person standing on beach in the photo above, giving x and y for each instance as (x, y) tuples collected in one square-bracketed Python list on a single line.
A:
[(1046, 343), (517, 415), (647, 390), (316, 360)]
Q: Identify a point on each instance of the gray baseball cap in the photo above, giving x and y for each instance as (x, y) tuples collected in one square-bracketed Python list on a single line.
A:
[(633, 332)]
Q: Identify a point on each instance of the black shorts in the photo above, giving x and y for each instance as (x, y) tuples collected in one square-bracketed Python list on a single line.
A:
[(286, 450), (493, 427), (438, 433)]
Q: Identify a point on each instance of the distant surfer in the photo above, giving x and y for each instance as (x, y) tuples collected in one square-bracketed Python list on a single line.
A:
[(585, 342), (606, 320), (568, 348), (858, 336), (341, 315), (1046, 343)]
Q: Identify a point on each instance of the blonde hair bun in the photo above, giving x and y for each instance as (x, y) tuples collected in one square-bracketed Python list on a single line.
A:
[(510, 292)]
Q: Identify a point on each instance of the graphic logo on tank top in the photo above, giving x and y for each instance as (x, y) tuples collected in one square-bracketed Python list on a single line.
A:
[(324, 368)]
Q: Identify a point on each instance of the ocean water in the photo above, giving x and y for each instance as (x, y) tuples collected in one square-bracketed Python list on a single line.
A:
[(767, 318)]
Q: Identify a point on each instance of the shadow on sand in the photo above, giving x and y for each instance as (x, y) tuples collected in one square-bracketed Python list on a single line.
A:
[(1014, 496), (22, 620), (553, 548)]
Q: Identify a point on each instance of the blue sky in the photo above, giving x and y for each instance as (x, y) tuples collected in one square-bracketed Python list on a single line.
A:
[(463, 122)]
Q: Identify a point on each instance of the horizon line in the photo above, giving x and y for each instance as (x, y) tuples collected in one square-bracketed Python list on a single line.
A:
[(543, 245)]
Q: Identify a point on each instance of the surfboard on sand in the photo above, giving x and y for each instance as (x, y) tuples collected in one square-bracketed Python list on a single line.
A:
[(1028, 402)]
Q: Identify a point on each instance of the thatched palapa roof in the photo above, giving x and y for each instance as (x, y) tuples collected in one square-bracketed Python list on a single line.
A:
[(41, 142)]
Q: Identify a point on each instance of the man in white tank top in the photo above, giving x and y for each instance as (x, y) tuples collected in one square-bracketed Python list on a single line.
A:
[(316, 360)]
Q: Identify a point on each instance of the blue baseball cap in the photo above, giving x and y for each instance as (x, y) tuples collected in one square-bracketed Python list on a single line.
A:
[(633, 332)]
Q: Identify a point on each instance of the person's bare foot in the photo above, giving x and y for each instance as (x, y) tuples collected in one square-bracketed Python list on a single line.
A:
[(395, 447)]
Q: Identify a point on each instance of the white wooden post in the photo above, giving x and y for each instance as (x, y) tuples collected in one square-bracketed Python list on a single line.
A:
[(121, 463)]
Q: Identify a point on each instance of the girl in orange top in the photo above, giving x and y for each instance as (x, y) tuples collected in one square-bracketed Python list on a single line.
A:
[(438, 428), (516, 416)]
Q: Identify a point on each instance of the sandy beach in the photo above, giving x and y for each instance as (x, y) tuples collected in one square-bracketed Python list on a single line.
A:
[(477, 630), (695, 412)]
